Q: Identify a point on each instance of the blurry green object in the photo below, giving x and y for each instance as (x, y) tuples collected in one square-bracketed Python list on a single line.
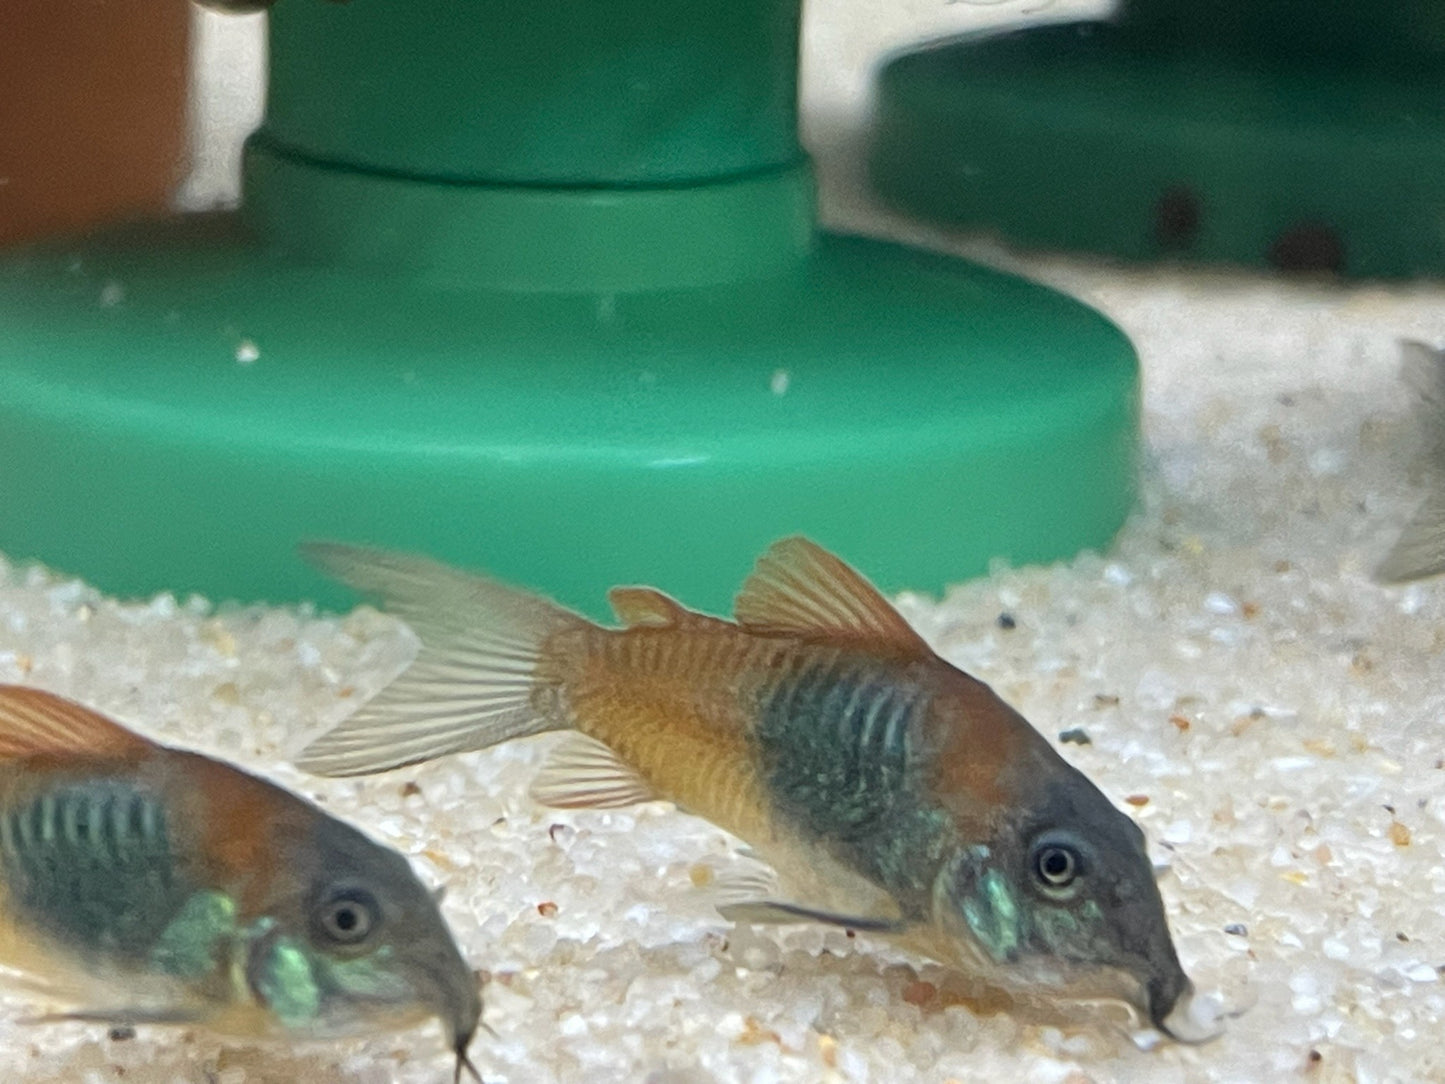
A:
[(537, 288), (1304, 135)]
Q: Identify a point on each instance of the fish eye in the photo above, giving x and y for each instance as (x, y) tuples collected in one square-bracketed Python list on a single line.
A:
[(1056, 865), (347, 916)]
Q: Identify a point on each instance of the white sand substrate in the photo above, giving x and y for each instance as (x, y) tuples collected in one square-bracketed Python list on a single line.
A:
[(1269, 714)]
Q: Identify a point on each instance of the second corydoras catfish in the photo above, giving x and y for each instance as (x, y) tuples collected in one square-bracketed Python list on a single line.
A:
[(890, 791), (141, 884)]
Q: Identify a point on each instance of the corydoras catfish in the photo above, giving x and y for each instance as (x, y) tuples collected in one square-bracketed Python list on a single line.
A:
[(141, 884), (1420, 549), (891, 792)]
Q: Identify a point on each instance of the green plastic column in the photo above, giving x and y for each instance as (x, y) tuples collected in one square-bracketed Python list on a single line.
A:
[(538, 92), (621, 146), (536, 287)]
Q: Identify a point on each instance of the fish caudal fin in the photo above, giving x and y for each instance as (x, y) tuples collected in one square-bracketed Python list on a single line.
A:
[(478, 679), (1420, 550)]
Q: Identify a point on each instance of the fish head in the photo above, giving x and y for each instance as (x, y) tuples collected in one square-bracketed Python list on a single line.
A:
[(351, 941), (1062, 899)]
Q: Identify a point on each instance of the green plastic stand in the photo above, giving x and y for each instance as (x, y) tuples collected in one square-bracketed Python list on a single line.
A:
[(537, 288), (1298, 134)]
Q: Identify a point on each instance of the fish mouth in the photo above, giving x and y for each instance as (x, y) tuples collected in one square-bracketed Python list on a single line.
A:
[(1186, 1017)]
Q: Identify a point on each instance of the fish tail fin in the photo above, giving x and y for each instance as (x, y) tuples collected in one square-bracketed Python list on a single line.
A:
[(1420, 550), (483, 674)]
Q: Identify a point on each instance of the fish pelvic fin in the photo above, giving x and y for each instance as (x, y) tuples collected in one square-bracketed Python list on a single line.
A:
[(800, 589), (582, 773), (482, 675), (34, 722)]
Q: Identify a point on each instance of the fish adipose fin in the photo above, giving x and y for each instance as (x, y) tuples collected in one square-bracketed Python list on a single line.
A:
[(800, 589), (1420, 550), (37, 723), (584, 774), (475, 680), (649, 608)]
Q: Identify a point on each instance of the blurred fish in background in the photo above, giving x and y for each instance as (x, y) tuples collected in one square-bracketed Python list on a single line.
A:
[(1420, 549)]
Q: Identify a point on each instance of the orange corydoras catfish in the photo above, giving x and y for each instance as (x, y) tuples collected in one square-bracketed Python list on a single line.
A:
[(890, 791)]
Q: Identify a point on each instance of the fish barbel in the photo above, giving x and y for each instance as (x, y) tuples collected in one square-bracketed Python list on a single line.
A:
[(141, 884), (890, 791)]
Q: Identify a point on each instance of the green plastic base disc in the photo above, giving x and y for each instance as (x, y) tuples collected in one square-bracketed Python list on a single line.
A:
[(1140, 140), (181, 405)]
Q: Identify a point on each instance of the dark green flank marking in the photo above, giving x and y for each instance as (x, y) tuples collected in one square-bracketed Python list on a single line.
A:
[(90, 863), (843, 762)]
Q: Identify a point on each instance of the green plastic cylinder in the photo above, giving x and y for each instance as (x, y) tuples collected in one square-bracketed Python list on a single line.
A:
[(538, 288), (538, 92)]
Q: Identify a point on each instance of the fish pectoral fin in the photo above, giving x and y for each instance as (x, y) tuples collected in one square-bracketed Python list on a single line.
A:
[(800, 589), (585, 774), (118, 1017), (777, 913)]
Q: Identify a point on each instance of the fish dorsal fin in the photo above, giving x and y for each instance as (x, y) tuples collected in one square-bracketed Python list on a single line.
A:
[(37, 723), (801, 589)]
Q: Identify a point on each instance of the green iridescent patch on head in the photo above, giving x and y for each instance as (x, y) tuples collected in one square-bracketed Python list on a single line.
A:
[(190, 946), (285, 981), (1058, 928), (993, 915), (372, 977)]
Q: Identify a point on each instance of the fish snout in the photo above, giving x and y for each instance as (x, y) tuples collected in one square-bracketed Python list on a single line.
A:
[(1181, 1013)]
